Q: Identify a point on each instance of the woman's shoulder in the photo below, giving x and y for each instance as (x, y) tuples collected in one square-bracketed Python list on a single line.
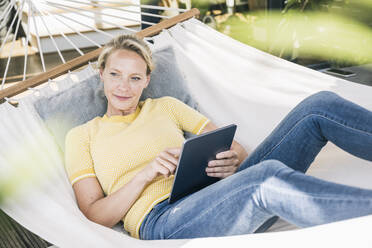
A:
[(85, 128), (159, 101), (167, 98)]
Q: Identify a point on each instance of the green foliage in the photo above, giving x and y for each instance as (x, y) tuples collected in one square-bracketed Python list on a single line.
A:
[(305, 5), (26, 168), (338, 31)]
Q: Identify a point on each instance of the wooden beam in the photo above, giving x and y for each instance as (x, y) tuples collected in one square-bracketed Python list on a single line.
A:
[(59, 70), (153, 30)]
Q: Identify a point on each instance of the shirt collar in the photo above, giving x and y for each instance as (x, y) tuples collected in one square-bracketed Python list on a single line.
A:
[(122, 118)]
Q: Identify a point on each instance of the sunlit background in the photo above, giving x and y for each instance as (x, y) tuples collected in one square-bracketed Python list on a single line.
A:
[(318, 34), (308, 32), (315, 33)]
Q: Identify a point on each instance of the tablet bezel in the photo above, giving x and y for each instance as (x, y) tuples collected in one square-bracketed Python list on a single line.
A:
[(222, 139)]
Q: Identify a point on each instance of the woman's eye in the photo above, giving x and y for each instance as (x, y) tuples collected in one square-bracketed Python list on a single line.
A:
[(114, 74), (136, 78)]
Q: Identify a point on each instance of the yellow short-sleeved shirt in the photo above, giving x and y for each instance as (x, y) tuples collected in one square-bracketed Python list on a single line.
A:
[(114, 149)]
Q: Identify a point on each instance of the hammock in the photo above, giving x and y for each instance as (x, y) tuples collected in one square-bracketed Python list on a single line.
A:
[(226, 79)]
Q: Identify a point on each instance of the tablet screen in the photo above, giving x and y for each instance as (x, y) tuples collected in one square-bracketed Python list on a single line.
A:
[(196, 152)]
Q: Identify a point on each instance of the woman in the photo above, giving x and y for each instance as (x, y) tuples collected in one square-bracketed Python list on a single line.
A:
[(122, 165)]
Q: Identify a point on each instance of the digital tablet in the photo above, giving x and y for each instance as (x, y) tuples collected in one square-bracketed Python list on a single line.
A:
[(190, 175)]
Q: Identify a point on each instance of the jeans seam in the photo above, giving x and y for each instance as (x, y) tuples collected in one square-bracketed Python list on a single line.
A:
[(302, 119), (334, 197), (209, 209)]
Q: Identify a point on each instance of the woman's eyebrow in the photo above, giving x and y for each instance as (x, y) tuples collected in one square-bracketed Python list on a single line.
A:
[(118, 70), (113, 69)]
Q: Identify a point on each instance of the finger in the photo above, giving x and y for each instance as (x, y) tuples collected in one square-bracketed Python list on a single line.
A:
[(167, 156), (219, 175), (223, 162), (227, 154), (169, 166), (225, 169), (160, 168), (175, 151)]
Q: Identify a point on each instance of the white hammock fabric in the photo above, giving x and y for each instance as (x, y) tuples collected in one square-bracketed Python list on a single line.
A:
[(233, 83)]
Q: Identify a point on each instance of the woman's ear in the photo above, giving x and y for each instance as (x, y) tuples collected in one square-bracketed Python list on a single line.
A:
[(101, 74), (148, 80)]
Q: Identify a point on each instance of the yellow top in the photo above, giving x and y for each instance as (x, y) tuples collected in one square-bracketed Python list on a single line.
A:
[(114, 149)]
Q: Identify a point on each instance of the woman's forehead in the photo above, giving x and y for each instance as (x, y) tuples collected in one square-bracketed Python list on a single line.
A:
[(125, 59)]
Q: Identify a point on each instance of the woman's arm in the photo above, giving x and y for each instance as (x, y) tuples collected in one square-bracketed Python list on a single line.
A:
[(111, 209), (229, 160)]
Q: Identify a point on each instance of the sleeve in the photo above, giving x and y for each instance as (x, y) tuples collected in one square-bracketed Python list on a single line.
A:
[(187, 118), (78, 160)]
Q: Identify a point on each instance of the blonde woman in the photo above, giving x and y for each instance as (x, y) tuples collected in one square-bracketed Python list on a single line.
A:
[(121, 165)]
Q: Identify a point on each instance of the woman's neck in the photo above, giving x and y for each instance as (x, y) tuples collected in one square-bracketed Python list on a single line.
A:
[(110, 111)]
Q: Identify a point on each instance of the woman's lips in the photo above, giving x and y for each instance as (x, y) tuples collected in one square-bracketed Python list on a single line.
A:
[(123, 98)]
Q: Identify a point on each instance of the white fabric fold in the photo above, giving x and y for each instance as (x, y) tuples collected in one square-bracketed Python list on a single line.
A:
[(233, 83)]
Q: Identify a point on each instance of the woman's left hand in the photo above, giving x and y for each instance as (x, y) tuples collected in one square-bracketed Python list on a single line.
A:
[(226, 164)]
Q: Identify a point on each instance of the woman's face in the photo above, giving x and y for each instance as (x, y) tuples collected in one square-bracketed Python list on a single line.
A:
[(124, 79)]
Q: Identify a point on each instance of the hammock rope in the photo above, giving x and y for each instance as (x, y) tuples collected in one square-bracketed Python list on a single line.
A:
[(50, 35), (26, 46), (37, 36), (13, 42), (56, 10)]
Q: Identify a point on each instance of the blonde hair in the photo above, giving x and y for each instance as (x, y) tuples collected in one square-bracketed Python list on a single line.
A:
[(127, 42)]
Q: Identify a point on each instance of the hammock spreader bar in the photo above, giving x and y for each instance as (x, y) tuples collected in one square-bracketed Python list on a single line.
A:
[(59, 70)]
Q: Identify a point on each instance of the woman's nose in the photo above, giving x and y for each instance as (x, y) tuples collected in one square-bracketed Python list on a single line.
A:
[(124, 84)]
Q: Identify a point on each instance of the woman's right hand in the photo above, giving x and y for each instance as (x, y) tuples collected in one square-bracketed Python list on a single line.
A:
[(164, 164)]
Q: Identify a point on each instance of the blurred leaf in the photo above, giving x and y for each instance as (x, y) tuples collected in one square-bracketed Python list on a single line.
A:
[(317, 34), (22, 167)]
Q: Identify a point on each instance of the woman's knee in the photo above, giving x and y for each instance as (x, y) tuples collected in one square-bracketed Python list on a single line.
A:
[(273, 165), (324, 96), (270, 174), (321, 102), (269, 168)]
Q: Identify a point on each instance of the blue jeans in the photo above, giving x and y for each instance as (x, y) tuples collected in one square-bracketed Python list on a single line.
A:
[(271, 181)]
